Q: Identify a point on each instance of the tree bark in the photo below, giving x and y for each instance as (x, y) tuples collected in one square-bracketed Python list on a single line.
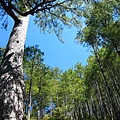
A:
[(11, 73)]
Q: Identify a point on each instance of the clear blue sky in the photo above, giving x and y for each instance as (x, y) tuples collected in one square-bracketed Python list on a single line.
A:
[(57, 54)]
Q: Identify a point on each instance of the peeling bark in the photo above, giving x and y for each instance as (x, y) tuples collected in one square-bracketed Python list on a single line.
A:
[(11, 73)]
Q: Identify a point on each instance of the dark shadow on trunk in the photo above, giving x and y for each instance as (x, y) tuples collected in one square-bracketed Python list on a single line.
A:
[(11, 85)]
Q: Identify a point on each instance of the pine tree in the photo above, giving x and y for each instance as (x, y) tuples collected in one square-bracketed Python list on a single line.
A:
[(49, 15)]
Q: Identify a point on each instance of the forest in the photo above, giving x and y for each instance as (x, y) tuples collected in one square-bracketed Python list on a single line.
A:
[(90, 92)]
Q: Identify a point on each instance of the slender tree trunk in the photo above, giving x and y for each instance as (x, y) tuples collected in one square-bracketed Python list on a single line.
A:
[(94, 108), (11, 73), (29, 106), (104, 110), (109, 90), (38, 112), (30, 92), (88, 108)]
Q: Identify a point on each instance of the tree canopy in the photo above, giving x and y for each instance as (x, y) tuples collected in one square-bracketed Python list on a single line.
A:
[(50, 15)]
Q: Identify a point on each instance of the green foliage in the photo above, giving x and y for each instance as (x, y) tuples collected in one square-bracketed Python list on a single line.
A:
[(102, 24), (90, 92), (63, 13), (50, 15), (101, 75), (57, 115), (73, 89)]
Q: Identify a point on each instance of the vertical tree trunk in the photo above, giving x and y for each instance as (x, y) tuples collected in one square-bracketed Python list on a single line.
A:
[(94, 108), (30, 91), (11, 73), (38, 117), (103, 108), (29, 106)]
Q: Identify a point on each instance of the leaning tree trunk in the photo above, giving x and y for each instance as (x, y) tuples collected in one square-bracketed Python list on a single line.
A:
[(11, 73)]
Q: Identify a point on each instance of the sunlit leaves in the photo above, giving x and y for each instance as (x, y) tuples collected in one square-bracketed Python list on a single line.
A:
[(50, 16), (64, 13)]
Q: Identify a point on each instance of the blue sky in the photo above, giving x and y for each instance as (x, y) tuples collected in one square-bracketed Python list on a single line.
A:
[(57, 54)]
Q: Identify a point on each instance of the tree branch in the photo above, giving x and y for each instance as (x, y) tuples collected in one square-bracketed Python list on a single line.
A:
[(9, 10), (34, 9)]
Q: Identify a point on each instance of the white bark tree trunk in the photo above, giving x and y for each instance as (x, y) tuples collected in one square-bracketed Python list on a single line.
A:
[(11, 73), (29, 106)]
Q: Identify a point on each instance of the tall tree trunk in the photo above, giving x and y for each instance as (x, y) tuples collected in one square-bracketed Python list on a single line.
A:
[(103, 108), (29, 106), (30, 91), (109, 90), (11, 73), (38, 112)]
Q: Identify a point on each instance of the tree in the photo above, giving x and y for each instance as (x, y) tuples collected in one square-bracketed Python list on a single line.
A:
[(102, 25), (49, 15), (101, 33), (40, 82), (71, 89), (32, 60)]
